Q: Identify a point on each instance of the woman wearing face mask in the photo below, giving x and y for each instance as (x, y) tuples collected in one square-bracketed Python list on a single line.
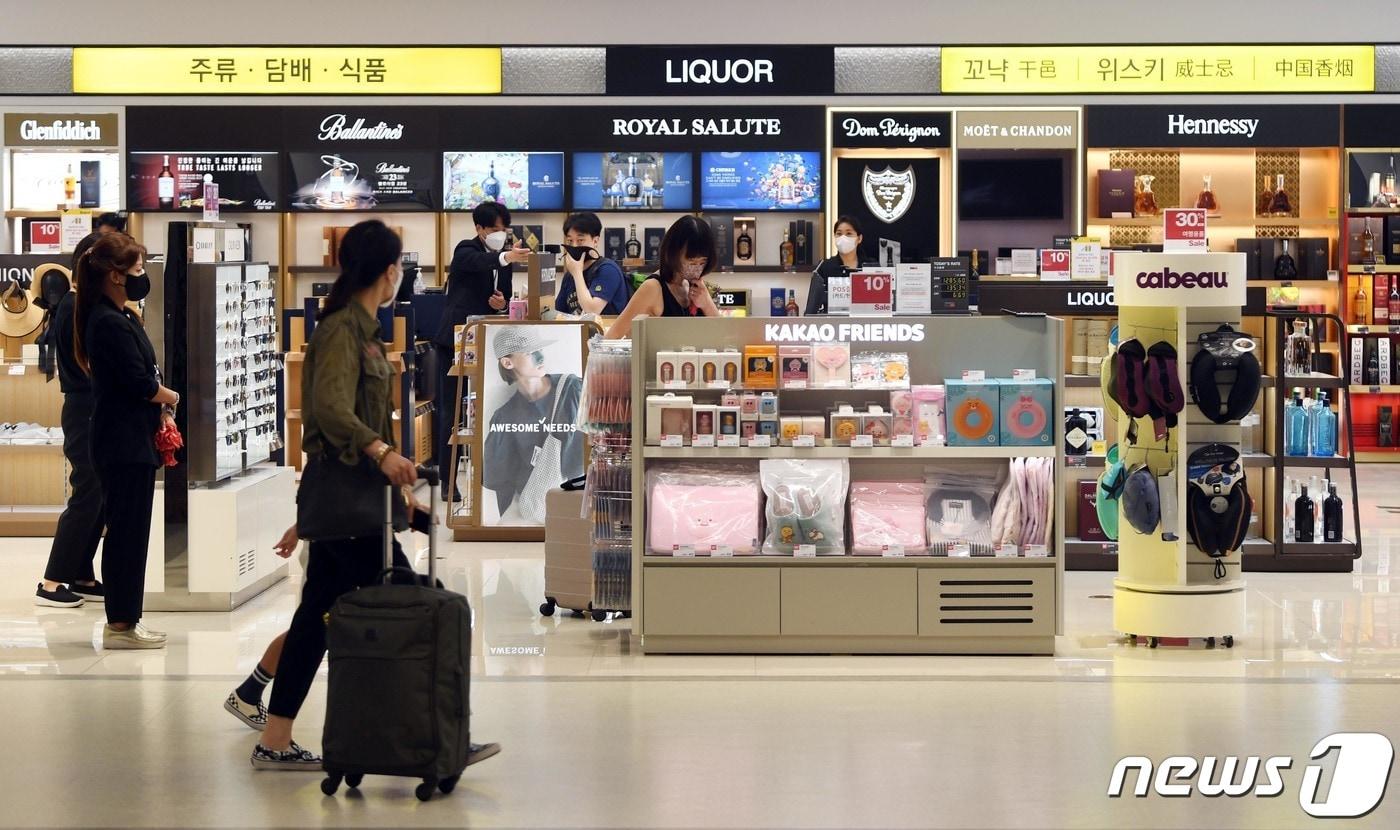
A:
[(678, 287), (129, 404), (847, 259)]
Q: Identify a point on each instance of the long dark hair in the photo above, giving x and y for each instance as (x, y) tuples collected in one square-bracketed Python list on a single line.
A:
[(366, 252), (688, 236), (847, 219), (108, 253)]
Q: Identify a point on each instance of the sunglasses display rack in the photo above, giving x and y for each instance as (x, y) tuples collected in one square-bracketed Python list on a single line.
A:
[(799, 575)]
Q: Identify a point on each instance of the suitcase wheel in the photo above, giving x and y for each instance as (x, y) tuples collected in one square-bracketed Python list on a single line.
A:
[(331, 784), (353, 781), (599, 616), (447, 785), (547, 608), (424, 791)]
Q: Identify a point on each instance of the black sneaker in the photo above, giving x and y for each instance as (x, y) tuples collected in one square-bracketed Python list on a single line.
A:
[(60, 598), (477, 753), (92, 593), (295, 758)]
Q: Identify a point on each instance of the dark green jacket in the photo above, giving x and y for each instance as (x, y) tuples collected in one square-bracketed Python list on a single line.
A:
[(346, 386)]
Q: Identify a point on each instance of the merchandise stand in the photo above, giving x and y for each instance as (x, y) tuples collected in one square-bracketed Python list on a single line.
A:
[(844, 603), (1168, 588)]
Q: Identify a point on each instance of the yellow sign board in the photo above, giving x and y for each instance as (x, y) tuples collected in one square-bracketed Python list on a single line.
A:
[(1123, 70), (287, 70)]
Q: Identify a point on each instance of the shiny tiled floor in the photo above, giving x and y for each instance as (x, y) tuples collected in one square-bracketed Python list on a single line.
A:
[(598, 735)]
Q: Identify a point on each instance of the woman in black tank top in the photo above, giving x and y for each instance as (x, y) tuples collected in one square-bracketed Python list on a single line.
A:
[(678, 287)]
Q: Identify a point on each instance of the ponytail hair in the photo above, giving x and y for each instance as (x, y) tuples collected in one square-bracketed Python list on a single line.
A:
[(366, 252), (96, 257)]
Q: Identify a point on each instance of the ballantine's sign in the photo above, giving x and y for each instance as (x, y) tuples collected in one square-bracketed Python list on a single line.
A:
[(1167, 278), (335, 128), (1178, 124)]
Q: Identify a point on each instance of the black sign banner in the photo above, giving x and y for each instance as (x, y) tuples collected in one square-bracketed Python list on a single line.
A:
[(1372, 125), (890, 128), (1217, 125), (660, 128), (721, 70)]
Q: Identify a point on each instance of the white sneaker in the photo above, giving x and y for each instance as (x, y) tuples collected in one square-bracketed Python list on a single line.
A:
[(138, 636)]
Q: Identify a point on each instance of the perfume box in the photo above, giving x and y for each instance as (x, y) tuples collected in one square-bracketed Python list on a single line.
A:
[(1025, 412), (651, 243), (1392, 240), (724, 241), (745, 240), (973, 412), (777, 302), (1116, 192), (90, 184), (1090, 530), (615, 244)]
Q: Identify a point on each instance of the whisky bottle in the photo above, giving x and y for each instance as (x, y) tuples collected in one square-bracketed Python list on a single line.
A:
[(1206, 199), (792, 309), (1280, 205), (1388, 185), (1332, 516), (975, 273), (1284, 267), (1266, 198), (1368, 244), (786, 251), (70, 187), (337, 184), (490, 186), (1361, 306), (743, 246), (1393, 303), (631, 185), (165, 186), (634, 245)]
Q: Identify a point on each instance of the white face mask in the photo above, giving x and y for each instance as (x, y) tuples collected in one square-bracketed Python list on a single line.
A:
[(398, 283), (496, 240), (845, 244)]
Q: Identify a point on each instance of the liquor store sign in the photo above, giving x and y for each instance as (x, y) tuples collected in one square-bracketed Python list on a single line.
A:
[(61, 129), (721, 70)]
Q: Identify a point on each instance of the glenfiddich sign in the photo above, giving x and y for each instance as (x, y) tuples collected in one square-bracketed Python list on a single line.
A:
[(61, 129)]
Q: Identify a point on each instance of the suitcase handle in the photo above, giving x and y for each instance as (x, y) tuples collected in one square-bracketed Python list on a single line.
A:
[(416, 578), (430, 474)]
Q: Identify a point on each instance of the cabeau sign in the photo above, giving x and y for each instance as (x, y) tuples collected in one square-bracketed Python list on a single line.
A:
[(61, 129), (1179, 280)]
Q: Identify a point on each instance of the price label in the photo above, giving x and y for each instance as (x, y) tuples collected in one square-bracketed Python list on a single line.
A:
[(794, 384), (673, 441), (863, 441), (1099, 447), (703, 441), (1087, 260), (974, 374), (805, 551), (1004, 551), (892, 551), (805, 442), (721, 551), (683, 551), (1037, 551), (837, 384), (1076, 462), (676, 383), (761, 441), (1333, 275), (17, 369), (730, 441), (960, 549), (1054, 264), (1375, 390), (905, 441), (1184, 229), (872, 293), (719, 384), (1023, 374)]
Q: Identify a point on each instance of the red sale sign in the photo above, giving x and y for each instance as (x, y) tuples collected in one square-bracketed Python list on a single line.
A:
[(872, 293), (1184, 229), (1054, 263), (44, 237)]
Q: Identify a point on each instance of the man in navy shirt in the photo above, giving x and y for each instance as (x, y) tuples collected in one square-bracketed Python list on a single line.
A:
[(592, 283)]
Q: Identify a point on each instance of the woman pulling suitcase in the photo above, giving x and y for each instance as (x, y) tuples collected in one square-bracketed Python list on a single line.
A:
[(348, 437)]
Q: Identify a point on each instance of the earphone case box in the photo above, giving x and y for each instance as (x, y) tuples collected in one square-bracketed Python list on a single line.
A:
[(760, 367), (795, 363), (727, 420), (655, 403), (1090, 530), (1025, 404), (964, 396)]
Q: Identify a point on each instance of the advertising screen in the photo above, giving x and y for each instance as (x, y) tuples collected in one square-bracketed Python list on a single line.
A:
[(45, 180), (174, 180), (633, 181), (520, 181), (761, 181), (356, 179)]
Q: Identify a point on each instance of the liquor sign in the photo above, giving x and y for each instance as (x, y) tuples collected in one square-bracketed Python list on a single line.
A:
[(286, 70), (872, 293), (1214, 125), (1184, 229), (721, 70), (1055, 263), (61, 129), (1157, 68), (891, 128), (1018, 129)]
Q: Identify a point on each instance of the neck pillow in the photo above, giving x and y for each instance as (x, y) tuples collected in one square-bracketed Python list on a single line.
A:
[(1225, 358), (1218, 503)]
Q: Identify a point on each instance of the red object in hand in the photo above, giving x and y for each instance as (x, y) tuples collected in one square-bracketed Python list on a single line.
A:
[(168, 440)]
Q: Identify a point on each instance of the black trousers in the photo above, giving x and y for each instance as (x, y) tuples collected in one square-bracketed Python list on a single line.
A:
[(129, 492), (446, 410), (333, 568), (80, 527)]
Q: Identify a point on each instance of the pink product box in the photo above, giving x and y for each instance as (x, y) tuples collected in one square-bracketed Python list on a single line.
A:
[(701, 515), (794, 363)]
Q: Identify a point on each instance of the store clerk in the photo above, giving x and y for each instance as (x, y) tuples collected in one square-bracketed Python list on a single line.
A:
[(847, 259), (592, 283)]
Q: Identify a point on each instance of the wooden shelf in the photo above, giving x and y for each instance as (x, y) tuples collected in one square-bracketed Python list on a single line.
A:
[(1354, 268), (1372, 211), (23, 520), (1363, 389), (1372, 328), (1257, 460), (848, 452), (38, 214), (1320, 548)]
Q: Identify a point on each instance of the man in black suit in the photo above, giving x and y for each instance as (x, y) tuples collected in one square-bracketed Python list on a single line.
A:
[(478, 284)]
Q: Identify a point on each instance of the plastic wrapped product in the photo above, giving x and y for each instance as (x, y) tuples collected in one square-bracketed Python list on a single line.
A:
[(701, 506), (929, 426), (959, 502), (831, 365), (806, 504), (845, 425), (888, 513), (878, 426)]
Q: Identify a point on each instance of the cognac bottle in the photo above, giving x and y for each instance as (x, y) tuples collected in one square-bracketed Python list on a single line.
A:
[(1368, 244), (1280, 205), (1284, 267), (1144, 201), (1206, 199), (165, 186), (1266, 198)]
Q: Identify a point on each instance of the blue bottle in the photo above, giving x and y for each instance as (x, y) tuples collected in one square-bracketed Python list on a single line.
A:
[(1324, 428), (1295, 427)]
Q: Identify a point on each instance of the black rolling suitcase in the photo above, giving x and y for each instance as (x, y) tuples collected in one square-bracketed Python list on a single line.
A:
[(399, 665)]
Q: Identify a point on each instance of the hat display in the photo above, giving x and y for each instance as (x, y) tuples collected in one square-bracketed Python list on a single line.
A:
[(510, 340), (20, 316)]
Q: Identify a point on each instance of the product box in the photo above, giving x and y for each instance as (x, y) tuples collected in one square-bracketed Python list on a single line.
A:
[(668, 367), (748, 429), (902, 412), (1358, 360), (651, 243), (760, 366), (531, 236), (1383, 359), (730, 365), (769, 428), (748, 406), (878, 425), (1392, 240), (777, 302), (768, 406), (929, 426), (1116, 193), (1250, 248), (795, 364), (675, 420), (815, 426), (688, 365), (845, 425), (803, 242), (1314, 257), (1089, 528), (724, 242), (615, 244), (1025, 413), (973, 412), (745, 241), (1380, 307), (90, 184), (728, 420), (703, 416), (790, 426), (831, 365), (708, 367), (668, 401), (729, 398)]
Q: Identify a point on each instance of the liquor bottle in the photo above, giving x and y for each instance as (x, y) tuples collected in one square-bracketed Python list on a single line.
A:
[(1206, 199), (1295, 427), (631, 185), (1383, 428), (1266, 198), (1361, 305), (1297, 355), (1332, 516), (648, 189), (70, 186), (1368, 244), (1076, 434), (1279, 204), (1285, 268), (634, 245), (975, 273), (1323, 427), (1303, 517), (1290, 496), (792, 309), (491, 186), (1388, 185), (337, 184), (1373, 371), (786, 251), (1393, 303), (1144, 200), (165, 186), (743, 246)]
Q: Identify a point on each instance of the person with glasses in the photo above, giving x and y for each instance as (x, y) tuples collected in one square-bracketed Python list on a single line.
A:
[(129, 405), (678, 288)]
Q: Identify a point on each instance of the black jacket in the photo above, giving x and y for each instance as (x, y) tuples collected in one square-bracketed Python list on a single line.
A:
[(71, 377), (124, 379), (474, 274), (816, 292)]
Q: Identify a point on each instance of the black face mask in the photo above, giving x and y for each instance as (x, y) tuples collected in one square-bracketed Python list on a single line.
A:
[(583, 253), (138, 286)]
